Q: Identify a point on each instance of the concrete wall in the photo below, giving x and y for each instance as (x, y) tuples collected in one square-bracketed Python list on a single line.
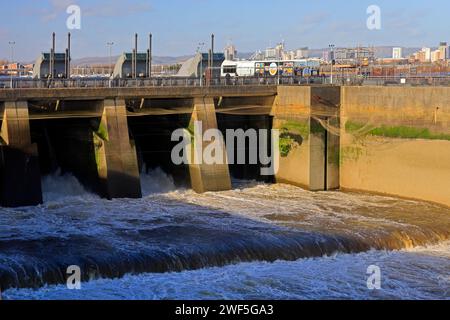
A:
[(308, 149), (397, 141), (291, 112), (391, 140)]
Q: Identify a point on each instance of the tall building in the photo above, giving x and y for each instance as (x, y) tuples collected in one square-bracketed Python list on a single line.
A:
[(230, 52), (435, 56), (427, 52), (444, 50), (270, 53), (288, 55), (424, 55), (420, 56), (280, 50), (397, 53)]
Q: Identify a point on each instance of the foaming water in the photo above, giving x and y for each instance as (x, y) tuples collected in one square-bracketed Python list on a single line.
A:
[(156, 181), (57, 187), (420, 273), (172, 230)]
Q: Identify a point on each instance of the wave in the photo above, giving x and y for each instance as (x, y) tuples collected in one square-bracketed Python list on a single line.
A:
[(340, 276), (173, 230)]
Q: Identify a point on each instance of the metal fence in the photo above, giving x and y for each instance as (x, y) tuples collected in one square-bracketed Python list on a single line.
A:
[(155, 82), (390, 81), (25, 83)]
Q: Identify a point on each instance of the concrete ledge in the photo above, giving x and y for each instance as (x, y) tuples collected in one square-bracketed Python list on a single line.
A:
[(133, 93)]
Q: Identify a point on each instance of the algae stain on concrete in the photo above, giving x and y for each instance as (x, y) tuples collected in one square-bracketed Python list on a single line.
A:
[(102, 132), (353, 142), (351, 153), (299, 128), (292, 135), (401, 132)]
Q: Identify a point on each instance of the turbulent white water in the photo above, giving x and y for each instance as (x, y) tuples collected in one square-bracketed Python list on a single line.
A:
[(257, 241), (157, 182), (421, 273)]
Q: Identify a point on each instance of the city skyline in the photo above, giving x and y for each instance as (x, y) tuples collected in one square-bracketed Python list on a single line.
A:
[(178, 26)]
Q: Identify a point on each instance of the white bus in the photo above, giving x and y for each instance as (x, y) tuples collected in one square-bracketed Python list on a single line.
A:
[(270, 68)]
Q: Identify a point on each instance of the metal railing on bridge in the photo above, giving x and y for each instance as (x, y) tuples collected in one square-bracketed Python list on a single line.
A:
[(26, 83), (391, 81), (139, 83)]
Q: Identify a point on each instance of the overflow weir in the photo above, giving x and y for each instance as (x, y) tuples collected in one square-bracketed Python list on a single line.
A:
[(392, 141)]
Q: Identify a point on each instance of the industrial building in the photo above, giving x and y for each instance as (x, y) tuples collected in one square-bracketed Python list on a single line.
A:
[(354, 56), (397, 53), (134, 65), (198, 65), (125, 68), (51, 65), (42, 67)]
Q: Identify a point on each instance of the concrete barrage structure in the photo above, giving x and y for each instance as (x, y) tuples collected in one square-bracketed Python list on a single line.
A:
[(375, 139), (43, 65), (198, 66), (125, 69)]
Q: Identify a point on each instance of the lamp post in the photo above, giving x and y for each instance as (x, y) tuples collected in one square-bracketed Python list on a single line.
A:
[(200, 50), (12, 44), (332, 46)]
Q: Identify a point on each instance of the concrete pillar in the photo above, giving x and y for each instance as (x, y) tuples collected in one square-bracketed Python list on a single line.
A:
[(325, 124), (333, 154), (115, 153), (204, 177), (309, 121), (317, 155), (20, 179), (324, 154)]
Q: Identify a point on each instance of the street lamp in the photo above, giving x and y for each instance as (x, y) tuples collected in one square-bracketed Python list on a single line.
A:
[(12, 44), (200, 50), (332, 46), (110, 45)]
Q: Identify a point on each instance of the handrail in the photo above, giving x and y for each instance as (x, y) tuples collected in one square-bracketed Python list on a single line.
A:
[(26, 83)]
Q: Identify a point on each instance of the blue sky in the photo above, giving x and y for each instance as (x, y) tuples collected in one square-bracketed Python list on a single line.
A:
[(179, 25)]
